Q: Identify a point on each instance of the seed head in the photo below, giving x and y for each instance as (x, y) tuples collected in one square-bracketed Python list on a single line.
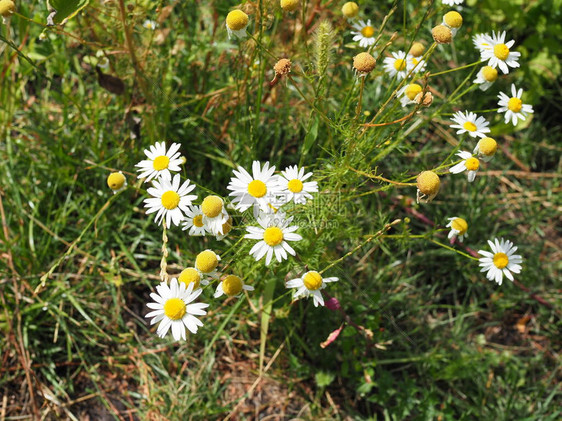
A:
[(282, 67), (364, 63), (417, 49), (442, 35), (428, 186)]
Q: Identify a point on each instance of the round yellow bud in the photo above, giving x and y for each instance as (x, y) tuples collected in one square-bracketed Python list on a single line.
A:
[(364, 63), (116, 181), (232, 285), (428, 183), (441, 34), (350, 9), (7, 8), (487, 146), (237, 20), (417, 49), (289, 5)]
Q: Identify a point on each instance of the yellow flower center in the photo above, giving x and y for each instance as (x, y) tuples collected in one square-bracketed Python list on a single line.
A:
[(116, 180), (161, 162), (501, 260), (470, 126), (174, 308), (237, 20), (515, 104), (487, 146), (412, 90), (312, 281), (453, 19), (368, 31), (350, 9), (501, 51), (399, 64), (472, 164), (198, 221), (295, 185), (273, 236), (206, 261), (188, 276), (257, 188), (170, 200), (428, 183), (212, 206), (489, 73), (460, 225), (232, 285)]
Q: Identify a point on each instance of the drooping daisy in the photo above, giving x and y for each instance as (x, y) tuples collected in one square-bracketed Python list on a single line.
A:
[(470, 123), (310, 284), (468, 163), (486, 148), (513, 107), (206, 263), (273, 235), (232, 286), (499, 54), (169, 199), (160, 162), (453, 20), (236, 23), (397, 65), (458, 227), (501, 262), (452, 2), (364, 33), (194, 221), (259, 188), (428, 185), (116, 181), (292, 181), (214, 214), (486, 77), (408, 93), (190, 275), (173, 310), (149, 24)]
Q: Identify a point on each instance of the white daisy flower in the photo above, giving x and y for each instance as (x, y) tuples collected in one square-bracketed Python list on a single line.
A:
[(206, 264), (292, 181), (364, 33), (486, 148), (470, 123), (415, 64), (194, 221), (408, 93), (458, 228), (273, 235), (310, 284), (513, 107), (501, 262), (468, 163), (117, 182), (214, 214), (499, 54), (397, 65), (236, 23), (486, 76), (482, 42), (452, 2), (232, 286), (259, 188), (169, 199), (149, 24), (160, 162), (172, 309)]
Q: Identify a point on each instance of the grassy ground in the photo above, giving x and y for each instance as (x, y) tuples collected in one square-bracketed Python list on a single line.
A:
[(423, 334)]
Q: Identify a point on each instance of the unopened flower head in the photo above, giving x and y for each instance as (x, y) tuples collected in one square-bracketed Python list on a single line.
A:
[(170, 200), (350, 10), (498, 52), (236, 23), (470, 123), (232, 286), (417, 49), (214, 214), (428, 184), (397, 65), (442, 34), (453, 20), (117, 182), (295, 187), (160, 162), (206, 263), (310, 284), (364, 33), (364, 63), (260, 188), (486, 148), (459, 227), (502, 260), (513, 106), (289, 5), (486, 76), (468, 163), (194, 221), (190, 275), (173, 307)]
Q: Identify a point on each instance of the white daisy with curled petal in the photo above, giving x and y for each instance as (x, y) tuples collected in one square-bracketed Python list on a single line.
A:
[(173, 308), (214, 214), (397, 65), (259, 188), (415, 64), (499, 53), (194, 221), (486, 77), (470, 123), (513, 106), (459, 227), (364, 33), (452, 2), (273, 233), (468, 163), (160, 162), (501, 262), (408, 93), (170, 200), (232, 286), (310, 284), (482, 42), (295, 187)]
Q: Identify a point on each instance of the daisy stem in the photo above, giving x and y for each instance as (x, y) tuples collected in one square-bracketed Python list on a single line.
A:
[(455, 69), (453, 249), (259, 44), (358, 111), (467, 90), (378, 177), (320, 113)]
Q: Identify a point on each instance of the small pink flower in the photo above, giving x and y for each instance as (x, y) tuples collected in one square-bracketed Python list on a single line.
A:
[(333, 304)]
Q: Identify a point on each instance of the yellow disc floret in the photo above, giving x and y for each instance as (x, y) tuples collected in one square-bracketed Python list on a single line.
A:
[(170, 200), (453, 19), (257, 188), (368, 31), (501, 51), (206, 261), (364, 62), (501, 260), (350, 9), (417, 49), (472, 164), (273, 236), (232, 285), (441, 34), (237, 20), (160, 162), (190, 276), (116, 180), (295, 185), (487, 146), (7, 8), (212, 206), (399, 64), (312, 280), (459, 225), (470, 126), (412, 90), (515, 104), (198, 221), (174, 308), (428, 183), (289, 5), (489, 73)]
